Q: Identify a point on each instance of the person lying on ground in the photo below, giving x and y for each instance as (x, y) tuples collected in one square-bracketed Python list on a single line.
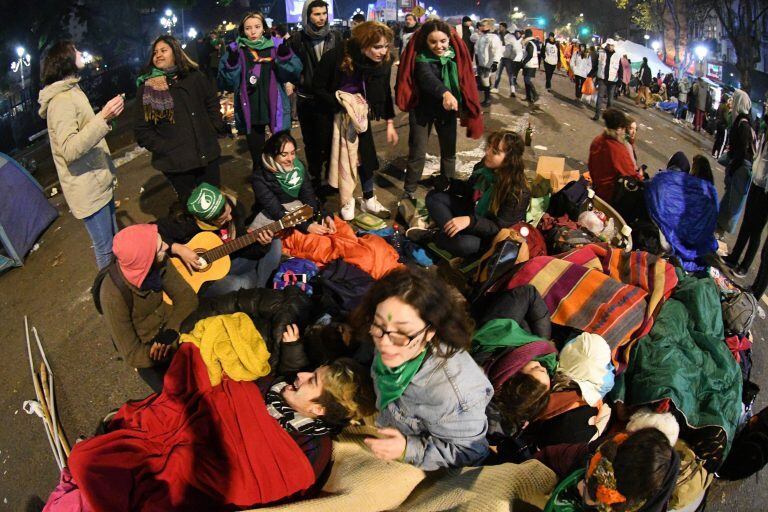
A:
[(280, 184), (224, 447), (431, 396), (608, 156), (145, 329), (210, 210), (470, 213)]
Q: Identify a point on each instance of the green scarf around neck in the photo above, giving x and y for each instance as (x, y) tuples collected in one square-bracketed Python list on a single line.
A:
[(485, 185), (261, 43), (156, 72), (391, 382), (450, 70), (291, 181)]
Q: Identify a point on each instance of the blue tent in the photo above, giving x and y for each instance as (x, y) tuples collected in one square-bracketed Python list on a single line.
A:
[(24, 212)]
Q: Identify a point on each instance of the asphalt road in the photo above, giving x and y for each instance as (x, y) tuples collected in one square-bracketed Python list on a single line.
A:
[(53, 288)]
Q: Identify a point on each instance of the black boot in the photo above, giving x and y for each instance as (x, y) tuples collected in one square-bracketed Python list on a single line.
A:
[(486, 98)]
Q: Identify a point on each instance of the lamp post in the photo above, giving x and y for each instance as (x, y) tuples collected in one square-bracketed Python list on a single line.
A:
[(656, 45), (646, 37), (431, 12), (18, 65), (192, 33), (168, 21), (701, 52)]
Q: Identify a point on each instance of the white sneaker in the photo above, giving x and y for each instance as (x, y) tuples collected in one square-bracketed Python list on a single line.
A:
[(374, 207), (495, 90), (348, 210)]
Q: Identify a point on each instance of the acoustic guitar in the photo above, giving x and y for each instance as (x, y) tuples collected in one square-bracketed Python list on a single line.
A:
[(215, 253)]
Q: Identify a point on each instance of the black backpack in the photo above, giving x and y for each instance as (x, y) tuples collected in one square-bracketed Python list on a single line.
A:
[(749, 452), (569, 199), (113, 272)]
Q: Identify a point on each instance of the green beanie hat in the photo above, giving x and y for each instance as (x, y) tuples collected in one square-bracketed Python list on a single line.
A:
[(206, 202)]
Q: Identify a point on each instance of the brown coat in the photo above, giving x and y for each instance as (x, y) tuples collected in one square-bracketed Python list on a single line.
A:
[(132, 331)]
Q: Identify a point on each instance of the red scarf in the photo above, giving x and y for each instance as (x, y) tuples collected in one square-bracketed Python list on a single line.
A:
[(407, 94)]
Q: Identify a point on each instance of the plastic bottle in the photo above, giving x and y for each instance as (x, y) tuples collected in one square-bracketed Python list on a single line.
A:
[(528, 134)]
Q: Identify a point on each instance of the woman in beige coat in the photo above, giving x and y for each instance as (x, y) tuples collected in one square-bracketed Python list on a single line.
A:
[(80, 153)]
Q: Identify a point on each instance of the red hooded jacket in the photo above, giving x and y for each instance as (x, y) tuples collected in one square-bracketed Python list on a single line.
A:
[(407, 93)]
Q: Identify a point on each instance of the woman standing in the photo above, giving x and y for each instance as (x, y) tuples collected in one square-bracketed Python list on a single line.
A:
[(361, 66), (256, 69), (581, 65), (738, 171), (177, 118), (437, 59), (430, 394), (80, 153), (471, 213)]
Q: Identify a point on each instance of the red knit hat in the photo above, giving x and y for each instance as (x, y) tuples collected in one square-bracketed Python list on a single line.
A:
[(135, 248)]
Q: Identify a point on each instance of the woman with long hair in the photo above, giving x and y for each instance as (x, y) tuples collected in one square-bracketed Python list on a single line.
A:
[(470, 214), (177, 118), (439, 98), (430, 395), (256, 67), (80, 153), (360, 69)]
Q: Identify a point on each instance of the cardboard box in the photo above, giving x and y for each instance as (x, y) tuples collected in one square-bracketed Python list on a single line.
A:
[(552, 168)]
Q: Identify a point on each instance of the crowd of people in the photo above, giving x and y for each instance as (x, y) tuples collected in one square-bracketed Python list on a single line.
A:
[(324, 318)]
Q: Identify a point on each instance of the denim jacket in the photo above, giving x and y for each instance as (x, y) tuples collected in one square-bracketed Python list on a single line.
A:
[(442, 413)]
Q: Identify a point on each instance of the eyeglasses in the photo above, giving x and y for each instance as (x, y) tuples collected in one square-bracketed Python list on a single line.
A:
[(397, 338)]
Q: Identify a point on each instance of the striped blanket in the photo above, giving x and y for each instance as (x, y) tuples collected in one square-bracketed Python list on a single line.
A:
[(602, 290)]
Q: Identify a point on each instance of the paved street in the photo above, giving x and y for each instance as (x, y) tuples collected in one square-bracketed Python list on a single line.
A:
[(53, 288)]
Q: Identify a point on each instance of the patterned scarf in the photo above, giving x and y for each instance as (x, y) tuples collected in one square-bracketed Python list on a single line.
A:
[(261, 43), (157, 99), (294, 422)]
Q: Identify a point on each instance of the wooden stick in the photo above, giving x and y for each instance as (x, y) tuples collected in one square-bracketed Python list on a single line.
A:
[(46, 417), (47, 407)]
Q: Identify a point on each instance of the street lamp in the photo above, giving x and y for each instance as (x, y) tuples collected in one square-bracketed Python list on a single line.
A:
[(192, 33), (431, 12), (515, 9), (87, 58), (169, 21), (19, 64), (701, 52), (656, 45)]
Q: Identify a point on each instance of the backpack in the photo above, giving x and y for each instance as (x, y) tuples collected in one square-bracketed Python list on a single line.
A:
[(562, 239), (343, 285), (112, 271), (739, 312), (295, 272), (749, 451), (569, 199)]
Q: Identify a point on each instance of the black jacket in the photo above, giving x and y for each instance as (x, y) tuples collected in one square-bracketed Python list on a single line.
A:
[(302, 46), (741, 145), (180, 226), (271, 311), (328, 77), (428, 78), (486, 227), (270, 197), (646, 77), (191, 141)]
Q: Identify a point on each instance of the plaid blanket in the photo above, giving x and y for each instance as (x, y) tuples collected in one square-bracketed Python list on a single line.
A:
[(602, 290)]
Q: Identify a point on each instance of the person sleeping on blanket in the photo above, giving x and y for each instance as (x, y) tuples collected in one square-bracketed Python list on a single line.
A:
[(231, 446)]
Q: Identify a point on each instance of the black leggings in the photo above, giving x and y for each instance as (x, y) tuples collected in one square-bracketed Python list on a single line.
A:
[(549, 70), (184, 183), (442, 207), (755, 217)]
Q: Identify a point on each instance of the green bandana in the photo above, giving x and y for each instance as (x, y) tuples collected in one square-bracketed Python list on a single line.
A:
[(206, 202), (505, 333), (261, 43), (484, 184), (291, 181), (450, 71), (391, 382), (156, 72)]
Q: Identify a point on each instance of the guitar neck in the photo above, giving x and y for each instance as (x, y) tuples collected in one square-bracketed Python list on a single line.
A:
[(241, 241)]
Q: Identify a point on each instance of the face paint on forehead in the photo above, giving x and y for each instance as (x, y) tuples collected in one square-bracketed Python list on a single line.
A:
[(389, 317)]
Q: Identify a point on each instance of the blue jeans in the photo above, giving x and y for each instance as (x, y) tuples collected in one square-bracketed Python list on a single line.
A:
[(247, 274), (505, 64), (102, 226), (738, 176), (682, 109)]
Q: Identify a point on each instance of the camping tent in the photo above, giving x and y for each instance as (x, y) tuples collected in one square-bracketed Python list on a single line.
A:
[(24, 212), (635, 52)]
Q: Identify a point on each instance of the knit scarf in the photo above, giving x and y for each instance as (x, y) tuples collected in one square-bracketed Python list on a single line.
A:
[(392, 382), (157, 100), (294, 422), (259, 44), (485, 187), (449, 70), (290, 181)]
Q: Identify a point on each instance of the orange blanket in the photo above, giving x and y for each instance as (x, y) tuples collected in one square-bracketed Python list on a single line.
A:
[(370, 253)]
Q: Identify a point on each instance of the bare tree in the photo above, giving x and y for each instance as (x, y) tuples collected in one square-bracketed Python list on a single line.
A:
[(742, 23)]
